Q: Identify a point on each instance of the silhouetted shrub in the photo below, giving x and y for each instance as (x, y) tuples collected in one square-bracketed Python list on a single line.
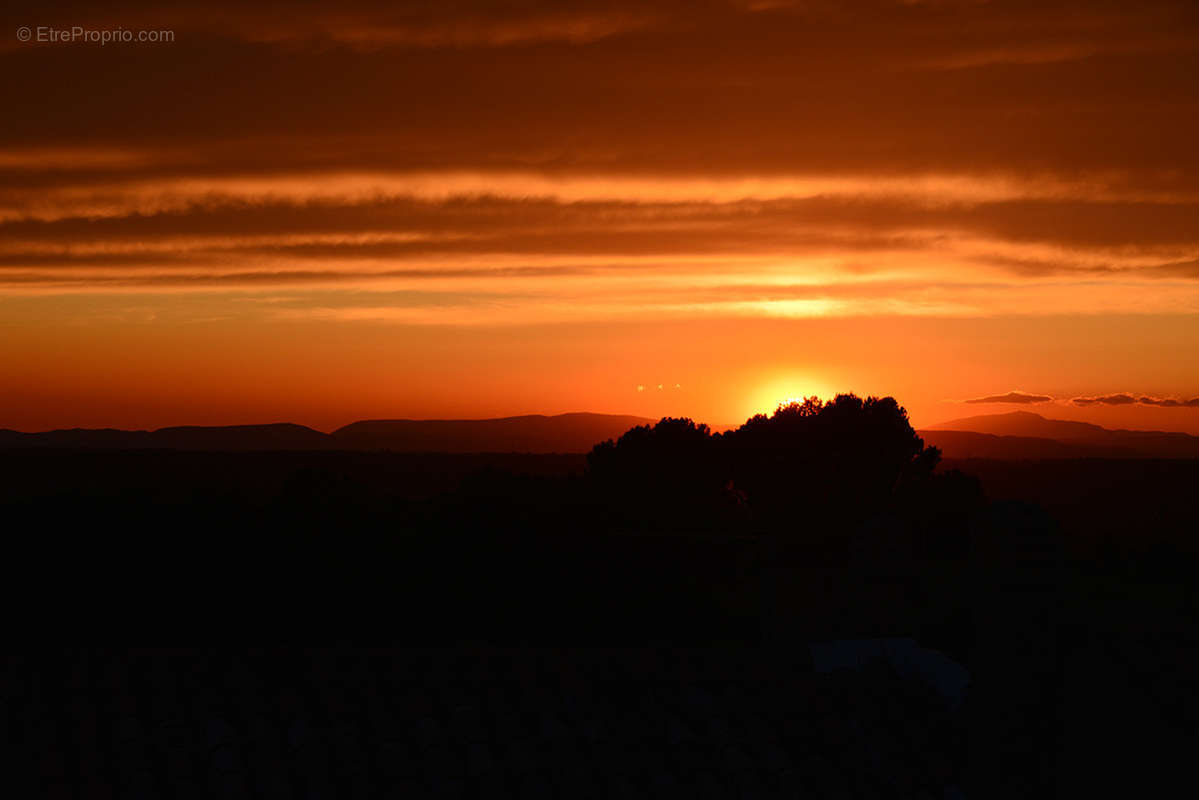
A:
[(811, 462), (839, 458), (668, 474)]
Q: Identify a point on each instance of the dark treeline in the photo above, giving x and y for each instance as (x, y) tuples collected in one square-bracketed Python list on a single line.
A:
[(664, 534), (807, 477)]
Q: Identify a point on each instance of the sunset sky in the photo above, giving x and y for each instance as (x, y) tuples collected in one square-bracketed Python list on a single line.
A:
[(321, 213)]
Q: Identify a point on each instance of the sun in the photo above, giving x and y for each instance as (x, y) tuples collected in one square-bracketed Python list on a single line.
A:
[(785, 389)]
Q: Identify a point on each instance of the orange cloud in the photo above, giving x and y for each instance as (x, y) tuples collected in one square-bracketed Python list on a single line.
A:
[(1124, 399), (1019, 398)]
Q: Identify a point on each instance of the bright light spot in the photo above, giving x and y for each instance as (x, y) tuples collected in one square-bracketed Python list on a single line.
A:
[(784, 389)]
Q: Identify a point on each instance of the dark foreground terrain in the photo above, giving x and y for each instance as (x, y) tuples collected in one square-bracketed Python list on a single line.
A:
[(471, 723), (352, 624)]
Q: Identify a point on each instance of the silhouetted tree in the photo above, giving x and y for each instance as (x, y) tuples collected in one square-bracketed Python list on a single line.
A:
[(668, 473), (808, 464), (834, 461)]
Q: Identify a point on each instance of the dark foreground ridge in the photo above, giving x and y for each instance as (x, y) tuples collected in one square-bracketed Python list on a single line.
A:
[(479, 723), (647, 620)]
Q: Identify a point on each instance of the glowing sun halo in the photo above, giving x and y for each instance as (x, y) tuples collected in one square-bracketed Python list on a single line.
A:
[(786, 389)]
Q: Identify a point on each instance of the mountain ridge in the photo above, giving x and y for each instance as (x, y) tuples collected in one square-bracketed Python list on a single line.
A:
[(574, 432), (1101, 442), (1014, 435)]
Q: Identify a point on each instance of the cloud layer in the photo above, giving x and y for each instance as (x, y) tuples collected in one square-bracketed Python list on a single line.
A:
[(1019, 398), (508, 162), (1117, 399), (1123, 399)]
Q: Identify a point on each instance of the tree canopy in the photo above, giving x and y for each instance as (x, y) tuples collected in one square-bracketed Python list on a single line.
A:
[(846, 456)]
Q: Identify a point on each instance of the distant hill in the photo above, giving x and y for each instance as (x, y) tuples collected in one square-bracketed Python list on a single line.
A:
[(279, 436), (565, 433), (1069, 438), (968, 444), (1025, 423), (1016, 435)]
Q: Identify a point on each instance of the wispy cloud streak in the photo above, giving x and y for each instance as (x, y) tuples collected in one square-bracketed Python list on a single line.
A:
[(1019, 398), (1124, 399)]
